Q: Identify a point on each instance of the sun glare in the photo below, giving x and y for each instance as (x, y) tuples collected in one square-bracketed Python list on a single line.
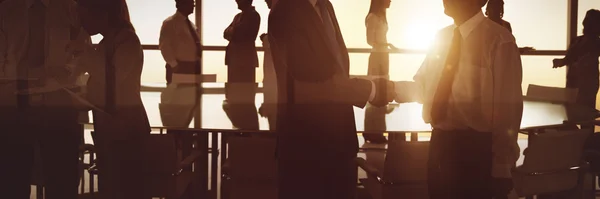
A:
[(419, 35)]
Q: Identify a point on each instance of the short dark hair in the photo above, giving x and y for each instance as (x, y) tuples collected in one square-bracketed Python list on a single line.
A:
[(591, 22)]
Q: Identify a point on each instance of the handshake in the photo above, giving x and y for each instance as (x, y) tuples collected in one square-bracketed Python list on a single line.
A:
[(385, 92)]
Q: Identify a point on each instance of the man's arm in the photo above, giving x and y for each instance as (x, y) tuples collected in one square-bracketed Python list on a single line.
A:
[(128, 57), (507, 108), (166, 44), (317, 77), (246, 28)]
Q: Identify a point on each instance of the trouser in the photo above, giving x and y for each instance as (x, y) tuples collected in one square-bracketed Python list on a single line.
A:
[(586, 96), (460, 164), (316, 176), (57, 134), (241, 74), (119, 166), (374, 123)]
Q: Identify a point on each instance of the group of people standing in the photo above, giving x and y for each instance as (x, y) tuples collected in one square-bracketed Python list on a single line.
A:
[(45, 47)]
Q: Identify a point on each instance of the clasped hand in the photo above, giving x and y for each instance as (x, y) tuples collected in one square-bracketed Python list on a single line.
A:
[(384, 93)]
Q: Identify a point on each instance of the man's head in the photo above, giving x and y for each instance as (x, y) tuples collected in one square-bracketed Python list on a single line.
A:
[(591, 23), (243, 4), (185, 7), (459, 9), (495, 9)]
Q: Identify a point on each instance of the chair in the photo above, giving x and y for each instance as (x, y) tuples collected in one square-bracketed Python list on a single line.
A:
[(404, 173), (250, 171), (165, 174), (553, 163), (552, 94)]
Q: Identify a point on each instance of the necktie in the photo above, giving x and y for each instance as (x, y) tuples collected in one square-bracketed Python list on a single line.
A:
[(439, 108), (330, 31)]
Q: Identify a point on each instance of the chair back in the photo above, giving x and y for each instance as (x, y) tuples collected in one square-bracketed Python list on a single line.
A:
[(160, 154), (551, 164), (252, 158), (406, 161), (552, 94), (554, 151)]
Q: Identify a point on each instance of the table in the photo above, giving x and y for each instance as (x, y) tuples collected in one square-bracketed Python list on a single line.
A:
[(404, 118)]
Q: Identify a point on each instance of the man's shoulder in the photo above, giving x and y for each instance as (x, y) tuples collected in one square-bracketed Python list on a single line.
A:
[(170, 19), (495, 30)]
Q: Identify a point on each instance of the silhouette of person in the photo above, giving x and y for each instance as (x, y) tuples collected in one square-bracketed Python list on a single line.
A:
[(269, 107), (241, 59), (582, 59), (180, 46), (379, 65), (115, 71), (495, 12), (475, 117), (35, 62), (241, 56), (316, 98)]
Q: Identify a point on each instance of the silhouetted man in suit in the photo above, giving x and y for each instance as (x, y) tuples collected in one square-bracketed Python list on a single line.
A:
[(240, 56), (317, 142)]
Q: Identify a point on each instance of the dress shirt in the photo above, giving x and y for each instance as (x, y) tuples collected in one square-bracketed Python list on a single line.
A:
[(373, 87), (486, 93), (61, 20), (377, 29), (269, 78), (177, 44)]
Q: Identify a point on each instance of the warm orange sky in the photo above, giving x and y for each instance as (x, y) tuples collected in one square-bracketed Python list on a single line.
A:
[(538, 23)]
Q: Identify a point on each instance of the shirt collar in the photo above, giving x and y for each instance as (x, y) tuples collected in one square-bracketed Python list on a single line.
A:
[(469, 25), (45, 2), (313, 2)]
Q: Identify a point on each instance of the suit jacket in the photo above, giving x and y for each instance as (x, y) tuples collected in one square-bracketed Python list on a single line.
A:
[(129, 118), (241, 34), (316, 95)]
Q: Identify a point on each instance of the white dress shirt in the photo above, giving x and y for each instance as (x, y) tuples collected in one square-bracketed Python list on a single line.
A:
[(373, 87), (377, 30), (486, 93), (61, 19), (269, 78), (177, 44)]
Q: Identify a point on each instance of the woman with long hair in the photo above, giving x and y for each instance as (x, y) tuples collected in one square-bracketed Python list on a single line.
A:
[(379, 64), (115, 69), (582, 59)]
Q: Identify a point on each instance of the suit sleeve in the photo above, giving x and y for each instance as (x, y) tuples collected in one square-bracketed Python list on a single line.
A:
[(317, 78), (247, 28)]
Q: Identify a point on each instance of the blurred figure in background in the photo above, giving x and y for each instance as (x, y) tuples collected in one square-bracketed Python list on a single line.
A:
[(115, 71), (269, 107), (495, 12), (582, 61), (379, 66), (40, 42)]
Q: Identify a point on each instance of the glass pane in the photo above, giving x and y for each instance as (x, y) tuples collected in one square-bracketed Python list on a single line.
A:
[(584, 6), (147, 18), (218, 14), (538, 70), (413, 24), (214, 63)]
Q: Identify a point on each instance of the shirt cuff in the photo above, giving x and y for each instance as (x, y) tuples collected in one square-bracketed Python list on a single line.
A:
[(373, 91), (502, 170)]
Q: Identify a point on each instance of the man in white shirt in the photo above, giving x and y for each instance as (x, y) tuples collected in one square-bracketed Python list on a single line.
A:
[(41, 41), (470, 87), (315, 98), (180, 46)]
